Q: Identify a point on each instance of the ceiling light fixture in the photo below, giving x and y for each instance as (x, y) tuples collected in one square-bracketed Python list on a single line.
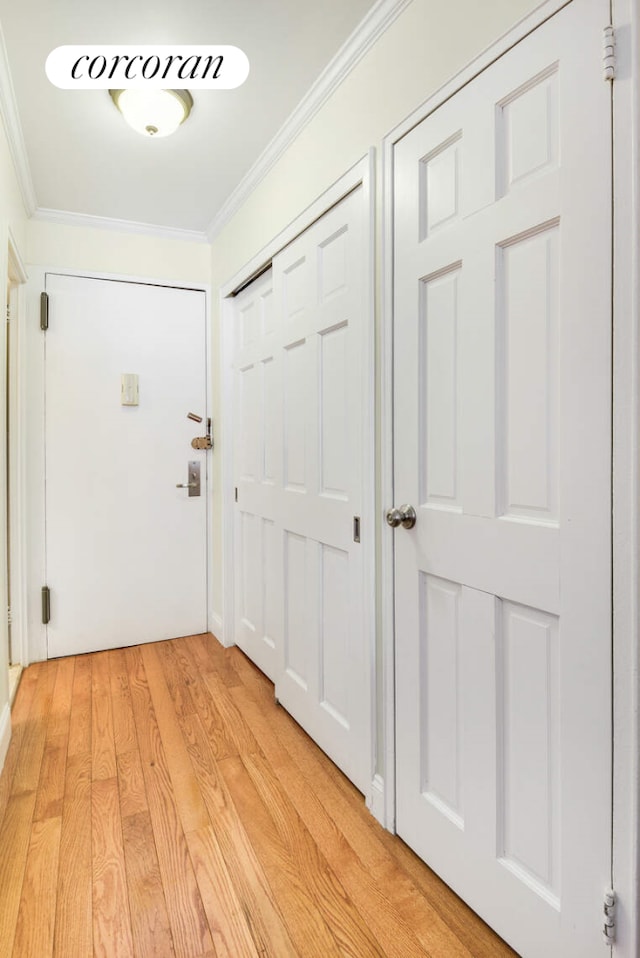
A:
[(153, 112)]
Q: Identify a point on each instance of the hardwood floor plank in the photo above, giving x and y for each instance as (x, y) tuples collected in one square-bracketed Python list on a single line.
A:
[(27, 773), (60, 712), (178, 673), (103, 747), (133, 793), (53, 769), (263, 916), (124, 726), (111, 918), (230, 931), (186, 913), (192, 810), (36, 915), (15, 834), (204, 705), (19, 716), (52, 777), (300, 908), (149, 919), (74, 907), (80, 726)]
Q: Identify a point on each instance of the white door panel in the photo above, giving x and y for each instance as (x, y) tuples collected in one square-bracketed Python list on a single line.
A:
[(502, 404), (257, 471), (126, 550), (299, 450)]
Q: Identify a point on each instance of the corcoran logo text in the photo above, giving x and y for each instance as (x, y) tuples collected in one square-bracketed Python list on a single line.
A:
[(106, 67)]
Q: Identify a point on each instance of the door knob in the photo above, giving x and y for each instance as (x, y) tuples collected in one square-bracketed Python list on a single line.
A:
[(404, 516)]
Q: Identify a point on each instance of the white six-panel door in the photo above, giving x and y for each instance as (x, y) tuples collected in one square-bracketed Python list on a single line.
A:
[(126, 551), (300, 381), (502, 404)]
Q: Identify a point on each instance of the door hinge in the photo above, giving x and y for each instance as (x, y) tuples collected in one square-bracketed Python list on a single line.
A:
[(356, 528), (9, 618), (46, 604), (44, 311), (609, 925), (609, 53), (236, 493)]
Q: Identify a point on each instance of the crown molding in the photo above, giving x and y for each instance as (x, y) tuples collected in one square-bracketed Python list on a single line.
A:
[(64, 218), (374, 24), (13, 129)]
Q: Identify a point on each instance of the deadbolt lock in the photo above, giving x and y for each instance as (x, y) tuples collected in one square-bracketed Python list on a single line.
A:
[(202, 442)]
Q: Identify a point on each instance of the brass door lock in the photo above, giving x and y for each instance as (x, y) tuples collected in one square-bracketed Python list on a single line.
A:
[(201, 442)]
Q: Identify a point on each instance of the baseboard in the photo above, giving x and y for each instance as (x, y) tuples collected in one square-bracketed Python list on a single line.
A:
[(375, 800), (216, 626), (5, 733)]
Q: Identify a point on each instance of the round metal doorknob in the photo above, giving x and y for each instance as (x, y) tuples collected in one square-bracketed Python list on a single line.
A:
[(404, 516)]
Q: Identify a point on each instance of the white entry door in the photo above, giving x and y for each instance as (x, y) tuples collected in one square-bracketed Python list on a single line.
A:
[(300, 372), (502, 403), (126, 550)]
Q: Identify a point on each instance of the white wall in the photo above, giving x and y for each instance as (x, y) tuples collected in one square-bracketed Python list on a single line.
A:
[(53, 245), (429, 43)]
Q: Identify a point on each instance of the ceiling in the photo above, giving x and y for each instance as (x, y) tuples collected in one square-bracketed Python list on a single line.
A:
[(82, 156)]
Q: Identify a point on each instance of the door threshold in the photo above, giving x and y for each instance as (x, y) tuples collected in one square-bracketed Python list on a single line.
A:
[(15, 671)]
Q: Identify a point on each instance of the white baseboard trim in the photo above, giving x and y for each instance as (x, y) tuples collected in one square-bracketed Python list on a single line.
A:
[(216, 626), (375, 800), (5, 733)]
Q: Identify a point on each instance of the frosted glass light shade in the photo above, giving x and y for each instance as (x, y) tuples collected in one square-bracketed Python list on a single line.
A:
[(154, 113)]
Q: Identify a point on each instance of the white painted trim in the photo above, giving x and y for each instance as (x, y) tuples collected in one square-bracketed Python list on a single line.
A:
[(13, 129), (626, 449), (497, 49), (368, 525), (65, 218), (376, 799), (371, 28), (33, 402), (5, 733), (17, 275), (17, 269), (362, 174), (227, 416), (387, 757), (216, 626)]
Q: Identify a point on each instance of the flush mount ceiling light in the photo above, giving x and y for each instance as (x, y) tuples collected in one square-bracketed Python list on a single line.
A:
[(153, 112)]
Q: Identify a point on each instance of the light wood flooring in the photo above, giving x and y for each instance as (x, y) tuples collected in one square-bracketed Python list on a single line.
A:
[(156, 802)]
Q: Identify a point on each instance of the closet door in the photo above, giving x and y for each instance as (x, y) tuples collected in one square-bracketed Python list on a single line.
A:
[(299, 450), (258, 475), (502, 404)]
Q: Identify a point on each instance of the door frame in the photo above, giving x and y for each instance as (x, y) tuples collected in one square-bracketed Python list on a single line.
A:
[(625, 453), (362, 174), (31, 360), (18, 505)]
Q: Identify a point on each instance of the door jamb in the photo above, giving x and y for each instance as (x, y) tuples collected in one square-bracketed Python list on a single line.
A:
[(362, 174), (17, 276), (33, 401)]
